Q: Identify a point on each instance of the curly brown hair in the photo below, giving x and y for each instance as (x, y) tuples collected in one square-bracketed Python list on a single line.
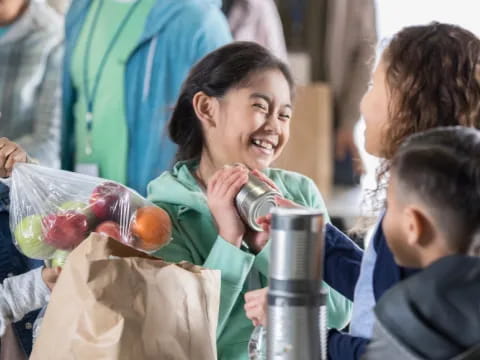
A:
[(433, 78), (432, 74)]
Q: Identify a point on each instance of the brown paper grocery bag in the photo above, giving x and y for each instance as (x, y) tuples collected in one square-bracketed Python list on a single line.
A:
[(113, 302)]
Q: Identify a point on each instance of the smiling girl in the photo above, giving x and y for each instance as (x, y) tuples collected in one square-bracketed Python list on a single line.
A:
[(235, 107)]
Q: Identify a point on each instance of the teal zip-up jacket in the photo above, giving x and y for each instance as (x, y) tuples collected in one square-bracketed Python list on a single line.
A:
[(176, 35), (195, 239)]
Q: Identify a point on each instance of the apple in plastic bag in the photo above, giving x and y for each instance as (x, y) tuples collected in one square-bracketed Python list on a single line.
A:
[(150, 228), (73, 205), (110, 229), (29, 238), (107, 200), (66, 230), (82, 208)]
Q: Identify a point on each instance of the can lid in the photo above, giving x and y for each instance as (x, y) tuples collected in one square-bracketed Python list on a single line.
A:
[(261, 207), (297, 219)]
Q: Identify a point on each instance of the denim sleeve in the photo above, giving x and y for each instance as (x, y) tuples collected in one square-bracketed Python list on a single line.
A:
[(342, 261), (342, 346)]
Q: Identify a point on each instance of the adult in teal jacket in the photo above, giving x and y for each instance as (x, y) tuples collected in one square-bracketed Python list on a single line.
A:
[(124, 64), (235, 107)]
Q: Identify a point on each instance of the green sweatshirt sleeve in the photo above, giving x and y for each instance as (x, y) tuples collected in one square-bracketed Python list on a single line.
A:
[(262, 260), (339, 309)]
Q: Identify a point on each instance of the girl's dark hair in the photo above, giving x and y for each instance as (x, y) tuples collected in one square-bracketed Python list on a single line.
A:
[(228, 67), (441, 169)]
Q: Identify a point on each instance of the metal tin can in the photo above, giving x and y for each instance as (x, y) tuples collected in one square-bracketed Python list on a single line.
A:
[(297, 249), (255, 199)]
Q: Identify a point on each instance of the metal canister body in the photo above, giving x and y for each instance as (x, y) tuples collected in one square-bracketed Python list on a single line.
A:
[(297, 326), (297, 249), (255, 199), (296, 302)]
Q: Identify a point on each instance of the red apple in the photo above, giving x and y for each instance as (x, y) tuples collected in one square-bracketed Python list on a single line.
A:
[(82, 208), (110, 229), (65, 230), (107, 200)]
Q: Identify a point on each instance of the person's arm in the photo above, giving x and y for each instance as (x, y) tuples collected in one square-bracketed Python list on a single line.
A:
[(355, 82), (342, 261), (43, 143), (343, 257), (343, 346), (362, 57), (21, 294)]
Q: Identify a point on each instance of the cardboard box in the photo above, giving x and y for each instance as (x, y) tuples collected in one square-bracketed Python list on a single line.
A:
[(310, 148)]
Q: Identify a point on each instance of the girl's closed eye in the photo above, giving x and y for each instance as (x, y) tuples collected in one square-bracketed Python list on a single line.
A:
[(261, 106)]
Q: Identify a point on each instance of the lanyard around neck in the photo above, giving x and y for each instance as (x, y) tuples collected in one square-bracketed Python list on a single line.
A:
[(90, 96)]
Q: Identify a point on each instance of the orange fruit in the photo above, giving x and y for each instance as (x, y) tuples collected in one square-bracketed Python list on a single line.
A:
[(151, 227)]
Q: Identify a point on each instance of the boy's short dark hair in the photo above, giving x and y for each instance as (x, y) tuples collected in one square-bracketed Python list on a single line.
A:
[(441, 169)]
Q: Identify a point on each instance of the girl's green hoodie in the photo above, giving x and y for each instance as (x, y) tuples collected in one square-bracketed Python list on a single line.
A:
[(195, 239)]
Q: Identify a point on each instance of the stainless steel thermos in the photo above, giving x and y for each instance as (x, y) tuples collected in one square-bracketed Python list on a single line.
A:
[(296, 303)]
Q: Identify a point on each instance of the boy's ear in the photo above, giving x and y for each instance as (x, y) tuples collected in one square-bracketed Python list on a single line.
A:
[(205, 108), (417, 227)]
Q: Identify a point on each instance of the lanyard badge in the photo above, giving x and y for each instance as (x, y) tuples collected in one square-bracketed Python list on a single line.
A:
[(91, 95)]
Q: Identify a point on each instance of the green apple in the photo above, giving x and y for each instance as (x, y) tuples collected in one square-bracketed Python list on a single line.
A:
[(29, 238), (59, 258), (73, 205)]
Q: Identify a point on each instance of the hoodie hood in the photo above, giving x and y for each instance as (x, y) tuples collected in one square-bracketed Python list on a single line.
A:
[(179, 187), (436, 313), (164, 10)]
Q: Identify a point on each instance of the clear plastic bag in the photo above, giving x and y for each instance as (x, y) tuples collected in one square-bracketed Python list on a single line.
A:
[(52, 211), (257, 345)]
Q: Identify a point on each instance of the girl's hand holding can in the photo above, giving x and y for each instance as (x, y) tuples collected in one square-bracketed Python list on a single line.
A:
[(222, 188)]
